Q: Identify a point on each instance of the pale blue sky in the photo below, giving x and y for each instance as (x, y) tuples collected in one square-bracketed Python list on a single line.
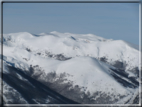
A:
[(109, 20)]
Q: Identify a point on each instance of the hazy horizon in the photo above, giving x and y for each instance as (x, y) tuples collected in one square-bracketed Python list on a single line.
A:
[(118, 21)]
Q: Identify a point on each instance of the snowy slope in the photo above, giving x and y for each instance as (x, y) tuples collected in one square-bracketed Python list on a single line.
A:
[(72, 45), (70, 63)]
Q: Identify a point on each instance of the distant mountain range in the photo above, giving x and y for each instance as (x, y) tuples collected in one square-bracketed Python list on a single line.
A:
[(66, 68)]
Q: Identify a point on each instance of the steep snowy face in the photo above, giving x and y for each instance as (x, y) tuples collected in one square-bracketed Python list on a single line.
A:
[(90, 73), (81, 67)]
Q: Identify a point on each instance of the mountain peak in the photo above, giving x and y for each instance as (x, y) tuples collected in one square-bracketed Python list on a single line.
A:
[(82, 67)]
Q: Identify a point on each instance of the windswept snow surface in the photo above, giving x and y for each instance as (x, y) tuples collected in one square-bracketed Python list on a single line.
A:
[(77, 56)]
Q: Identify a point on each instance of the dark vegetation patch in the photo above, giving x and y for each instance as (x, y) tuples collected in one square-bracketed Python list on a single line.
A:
[(103, 59), (121, 65), (60, 84), (39, 92), (28, 49), (60, 57), (136, 100), (57, 88), (123, 81), (12, 97), (135, 71)]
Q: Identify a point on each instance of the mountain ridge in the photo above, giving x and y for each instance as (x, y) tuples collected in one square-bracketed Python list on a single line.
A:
[(78, 66)]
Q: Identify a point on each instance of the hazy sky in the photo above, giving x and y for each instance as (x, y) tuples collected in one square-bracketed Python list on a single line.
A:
[(109, 20)]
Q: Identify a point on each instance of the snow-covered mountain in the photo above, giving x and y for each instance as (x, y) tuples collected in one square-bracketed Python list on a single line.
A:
[(78, 68)]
